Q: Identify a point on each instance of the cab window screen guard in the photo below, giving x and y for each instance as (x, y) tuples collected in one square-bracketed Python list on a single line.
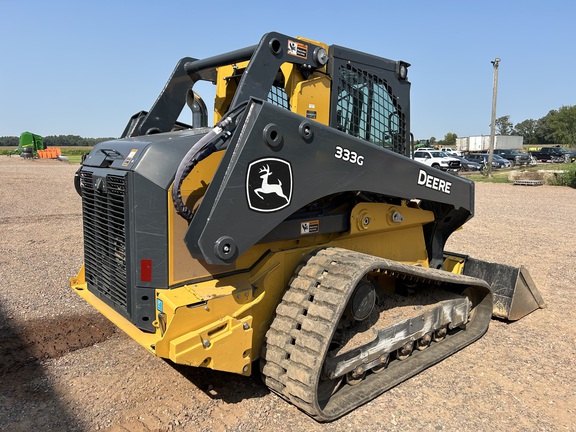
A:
[(367, 109)]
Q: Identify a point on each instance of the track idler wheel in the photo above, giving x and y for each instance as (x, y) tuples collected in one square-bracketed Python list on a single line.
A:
[(362, 302)]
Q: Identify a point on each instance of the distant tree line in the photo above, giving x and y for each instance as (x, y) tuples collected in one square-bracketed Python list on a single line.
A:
[(556, 127), (448, 141), (56, 141)]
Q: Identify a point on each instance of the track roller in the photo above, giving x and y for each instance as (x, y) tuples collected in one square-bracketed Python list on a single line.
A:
[(424, 342), (405, 350)]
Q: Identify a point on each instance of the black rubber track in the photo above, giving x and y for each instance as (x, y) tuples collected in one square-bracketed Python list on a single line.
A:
[(306, 319)]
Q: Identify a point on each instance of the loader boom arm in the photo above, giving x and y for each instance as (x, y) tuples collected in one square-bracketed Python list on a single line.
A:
[(310, 163)]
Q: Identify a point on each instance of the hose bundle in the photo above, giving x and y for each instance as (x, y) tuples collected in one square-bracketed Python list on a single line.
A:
[(211, 142)]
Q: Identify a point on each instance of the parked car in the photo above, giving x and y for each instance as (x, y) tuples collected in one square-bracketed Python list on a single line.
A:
[(468, 165), (451, 151), (515, 157), (570, 155), (555, 154), (505, 162), (437, 159), (482, 158)]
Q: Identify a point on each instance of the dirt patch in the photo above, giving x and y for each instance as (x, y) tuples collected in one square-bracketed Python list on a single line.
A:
[(48, 338), (519, 376)]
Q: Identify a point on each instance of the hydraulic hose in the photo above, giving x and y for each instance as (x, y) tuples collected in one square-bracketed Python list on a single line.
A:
[(211, 142)]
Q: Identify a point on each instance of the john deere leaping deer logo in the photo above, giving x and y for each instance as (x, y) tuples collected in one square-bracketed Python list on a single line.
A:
[(269, 184), (268, 188)]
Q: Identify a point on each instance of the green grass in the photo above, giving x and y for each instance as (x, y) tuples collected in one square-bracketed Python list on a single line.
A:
[(75, 151), (75, 159), (497, 177), (5, 151), (551, 166), (501, 176)]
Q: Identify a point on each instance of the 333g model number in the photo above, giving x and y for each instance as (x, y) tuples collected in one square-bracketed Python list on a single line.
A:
[(348, 156)]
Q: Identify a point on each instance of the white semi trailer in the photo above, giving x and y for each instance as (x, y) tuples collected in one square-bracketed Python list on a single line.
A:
[(481, 143)]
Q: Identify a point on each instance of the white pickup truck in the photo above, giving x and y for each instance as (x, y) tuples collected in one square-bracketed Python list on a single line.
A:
[(437, 159), (450, 150)]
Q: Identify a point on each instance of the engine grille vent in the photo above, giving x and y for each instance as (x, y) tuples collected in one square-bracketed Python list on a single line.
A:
[(104, 216)]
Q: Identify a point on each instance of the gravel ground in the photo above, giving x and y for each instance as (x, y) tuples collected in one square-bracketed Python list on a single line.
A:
[(64, 367)]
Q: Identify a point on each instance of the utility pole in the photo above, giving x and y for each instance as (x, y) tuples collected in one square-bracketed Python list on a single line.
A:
[(493, 123)]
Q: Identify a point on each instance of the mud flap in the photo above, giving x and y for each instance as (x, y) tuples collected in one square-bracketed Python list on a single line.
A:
[(515, 294)]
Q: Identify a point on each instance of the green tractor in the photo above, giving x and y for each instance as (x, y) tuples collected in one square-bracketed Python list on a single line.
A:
[(29, 145)]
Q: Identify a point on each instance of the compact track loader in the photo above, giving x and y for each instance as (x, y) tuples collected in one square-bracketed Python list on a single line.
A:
[(297, 231)]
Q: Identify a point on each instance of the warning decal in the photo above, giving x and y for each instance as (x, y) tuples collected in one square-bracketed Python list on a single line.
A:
[(129, 157), (297, 49), (309, 227)]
